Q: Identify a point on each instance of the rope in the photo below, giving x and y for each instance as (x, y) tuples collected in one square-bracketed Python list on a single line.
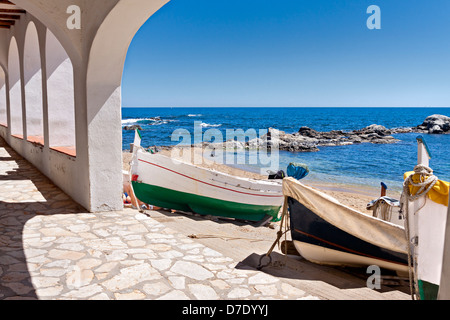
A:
[(279, 235), (223, 237), (427, 180)]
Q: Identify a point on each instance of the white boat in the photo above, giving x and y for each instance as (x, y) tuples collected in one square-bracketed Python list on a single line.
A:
[(425, 207), (171, 183)]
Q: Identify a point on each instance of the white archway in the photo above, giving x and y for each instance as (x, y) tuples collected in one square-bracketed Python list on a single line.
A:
[(60, 95), (3, 111), (15, 90), (81, 93), (103, 81), (33, 86)]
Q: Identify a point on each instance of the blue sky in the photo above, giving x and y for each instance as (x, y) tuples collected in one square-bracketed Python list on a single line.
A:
[(290, 53)]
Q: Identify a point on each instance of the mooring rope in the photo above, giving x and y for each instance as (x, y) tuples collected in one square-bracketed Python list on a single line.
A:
[(427, 180)]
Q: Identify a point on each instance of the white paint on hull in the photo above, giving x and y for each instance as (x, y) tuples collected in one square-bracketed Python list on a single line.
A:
[(428, 225), (159, 170), (327, 256)]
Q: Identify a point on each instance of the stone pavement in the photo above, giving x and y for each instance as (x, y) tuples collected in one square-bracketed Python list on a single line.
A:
[(51, 248)]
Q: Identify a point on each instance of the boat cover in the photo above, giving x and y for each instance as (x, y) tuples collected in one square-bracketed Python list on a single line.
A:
[(379, 232)]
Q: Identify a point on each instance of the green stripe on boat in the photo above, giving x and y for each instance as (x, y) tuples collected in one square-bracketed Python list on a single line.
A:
[(427, 290), (171, 199)]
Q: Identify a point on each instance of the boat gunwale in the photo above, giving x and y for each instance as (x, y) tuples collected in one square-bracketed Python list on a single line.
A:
[(273, 182)]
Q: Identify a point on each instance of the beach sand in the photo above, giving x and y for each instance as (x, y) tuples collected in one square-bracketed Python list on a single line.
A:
[(349, 195), (247, 243)]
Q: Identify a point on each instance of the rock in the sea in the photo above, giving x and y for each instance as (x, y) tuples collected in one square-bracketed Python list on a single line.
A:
[(132, 127), (434, 124), (372, 134)]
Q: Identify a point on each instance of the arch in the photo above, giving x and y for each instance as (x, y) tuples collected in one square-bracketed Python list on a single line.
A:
[(15, 89), (60, 97), (3, 109), (33, 86), (103, 96)]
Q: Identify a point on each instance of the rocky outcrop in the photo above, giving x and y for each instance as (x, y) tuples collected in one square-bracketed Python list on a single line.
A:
[(132, 127), (434, 124), (309, 140)]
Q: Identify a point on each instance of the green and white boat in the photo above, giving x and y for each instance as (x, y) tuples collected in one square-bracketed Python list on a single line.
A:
[(425, 206), (171, 183)]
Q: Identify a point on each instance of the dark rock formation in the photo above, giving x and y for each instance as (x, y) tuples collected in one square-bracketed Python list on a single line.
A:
[(132, 127)]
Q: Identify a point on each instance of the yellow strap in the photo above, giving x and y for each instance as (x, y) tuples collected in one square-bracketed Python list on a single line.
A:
[(438, 194)]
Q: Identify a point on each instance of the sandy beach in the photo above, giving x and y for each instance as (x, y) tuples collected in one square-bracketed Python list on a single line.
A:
[(352, 196)]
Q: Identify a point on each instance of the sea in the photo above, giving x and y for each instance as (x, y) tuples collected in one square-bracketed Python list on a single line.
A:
[(358, 165)]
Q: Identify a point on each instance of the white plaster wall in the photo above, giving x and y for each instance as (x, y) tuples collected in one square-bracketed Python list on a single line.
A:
[(60, 94), (15, 89), (3, 115), (94, 72), (104, 77), (33, 83), (3, 132), (66, 172)]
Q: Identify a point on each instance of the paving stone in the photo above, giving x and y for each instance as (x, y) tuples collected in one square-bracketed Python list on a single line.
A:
[(177, 282), (203, 292), (156, 289), (49, 292), (262, 278), (65, 254), (135, 295), (174, 295), (161, 264), (238, 293), (84, 292), (131, 276), (191, 270)]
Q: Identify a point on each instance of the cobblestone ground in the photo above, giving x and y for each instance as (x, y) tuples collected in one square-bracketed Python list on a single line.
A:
[(51, 248)]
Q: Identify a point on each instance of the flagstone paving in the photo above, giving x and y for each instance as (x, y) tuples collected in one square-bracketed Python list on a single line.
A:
[(51, 248)]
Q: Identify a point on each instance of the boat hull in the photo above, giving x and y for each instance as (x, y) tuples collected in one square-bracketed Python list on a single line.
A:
[(164, 182), (321, 242)]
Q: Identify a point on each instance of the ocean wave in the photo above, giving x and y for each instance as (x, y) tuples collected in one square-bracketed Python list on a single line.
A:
[(207, 125), (194, 115), (154, 121)]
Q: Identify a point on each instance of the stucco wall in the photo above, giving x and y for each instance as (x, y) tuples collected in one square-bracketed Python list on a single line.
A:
[(78, 101)]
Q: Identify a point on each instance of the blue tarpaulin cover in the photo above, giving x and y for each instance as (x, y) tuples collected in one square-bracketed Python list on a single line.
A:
[(297, 170)]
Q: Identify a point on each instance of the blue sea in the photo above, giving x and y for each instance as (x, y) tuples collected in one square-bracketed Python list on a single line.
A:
[(358, 165)]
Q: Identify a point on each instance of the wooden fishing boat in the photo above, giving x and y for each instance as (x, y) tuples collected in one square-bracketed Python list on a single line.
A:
[(170, 183), (327, 232), (425, 202)]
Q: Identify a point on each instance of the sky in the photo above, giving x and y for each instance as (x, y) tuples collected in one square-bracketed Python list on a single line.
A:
[(290, 53)]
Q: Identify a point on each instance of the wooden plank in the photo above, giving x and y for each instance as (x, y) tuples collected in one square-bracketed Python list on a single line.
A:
[(9, 16), (18, 11), (7, 22), (4, 27)]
